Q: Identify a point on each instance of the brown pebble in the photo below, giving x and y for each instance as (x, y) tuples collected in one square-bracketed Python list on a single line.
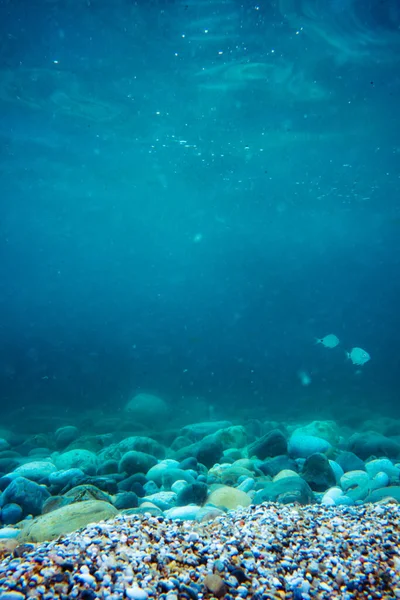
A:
[(215, 585)]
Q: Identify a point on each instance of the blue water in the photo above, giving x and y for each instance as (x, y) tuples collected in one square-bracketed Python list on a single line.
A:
[(191, 193)]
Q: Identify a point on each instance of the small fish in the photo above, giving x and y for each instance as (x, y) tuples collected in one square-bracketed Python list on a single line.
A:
[(358, 356), (329, 341), (304, 377)]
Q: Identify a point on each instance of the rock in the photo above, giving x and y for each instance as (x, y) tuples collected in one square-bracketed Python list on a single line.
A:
[(390, 492), (147, 409), (144, 508), (8, 465), (11, 514), (197, 431), (183, 513), (81, 459), (287, 490), (272, 466), (232, 455), (178, 486), (29, 495), (228, 497), (195, 493), (171, 475), (125, 500), (132, 484), (14, 595), (215, 584), (163, 500), (373, 444), (55, 502), (350, 461), (142, 444), (247, 485), (384, 465), (318, 473), (337, 469), (327, 430), (4, 445), (105, 484), (35, 471), (231, 437), (65, 435), (380, 480), (209, 452), (40, 453), (209, 513), (136, 593), (66, 520), (108, 467), (84, 492), (356, 484), (9, 533), (60, 479), (189, 463), (271, 444), (302, 446), (285, 473), (134, 462), (231, 475), (331, 496), (150, 488), (156, 473)]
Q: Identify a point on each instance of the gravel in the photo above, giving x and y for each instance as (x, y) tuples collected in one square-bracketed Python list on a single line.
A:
[(262, 552)]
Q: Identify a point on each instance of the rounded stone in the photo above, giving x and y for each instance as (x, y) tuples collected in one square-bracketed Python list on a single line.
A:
[(228, 497), (134, 462)]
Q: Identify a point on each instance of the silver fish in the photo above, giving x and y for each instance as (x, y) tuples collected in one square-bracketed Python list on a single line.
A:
[(329, 341), (358, 356)]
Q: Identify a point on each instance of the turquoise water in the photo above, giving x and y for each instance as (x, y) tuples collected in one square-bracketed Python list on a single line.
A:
[(191, 193)]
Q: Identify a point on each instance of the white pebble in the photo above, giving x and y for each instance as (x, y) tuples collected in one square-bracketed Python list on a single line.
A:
[(136, 593)]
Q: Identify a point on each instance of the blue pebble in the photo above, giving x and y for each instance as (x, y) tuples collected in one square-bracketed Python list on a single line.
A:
[(150, 488), (11, 514)]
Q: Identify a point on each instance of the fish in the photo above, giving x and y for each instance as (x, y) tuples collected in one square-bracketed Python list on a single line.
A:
[(358, 356), (329, 341)]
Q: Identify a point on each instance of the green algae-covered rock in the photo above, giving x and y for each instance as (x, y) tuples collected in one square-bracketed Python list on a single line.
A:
[(228, 497), (66, 520)]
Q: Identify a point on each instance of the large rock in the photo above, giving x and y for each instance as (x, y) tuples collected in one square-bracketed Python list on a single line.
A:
[(147, 409), (318, 473), (374, 444), (273, 466), (327, 430), (286, 490), (199, 430), (194, 493), (350, 461), (302, 446), (65, 435), (269, 445), (208, 451), (65, 520), (232, 437), (134, 462), (29, 495), (80, 459), (35, 470), (142, 444), (228, 497)]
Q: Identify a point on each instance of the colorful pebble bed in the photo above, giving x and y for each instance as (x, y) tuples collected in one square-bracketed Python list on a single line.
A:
[(262, 552)]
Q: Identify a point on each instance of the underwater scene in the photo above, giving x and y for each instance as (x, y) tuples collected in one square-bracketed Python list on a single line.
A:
[(199, 299)]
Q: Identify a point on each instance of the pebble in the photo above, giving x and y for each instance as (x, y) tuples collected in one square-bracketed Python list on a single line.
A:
[(266, 551)]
